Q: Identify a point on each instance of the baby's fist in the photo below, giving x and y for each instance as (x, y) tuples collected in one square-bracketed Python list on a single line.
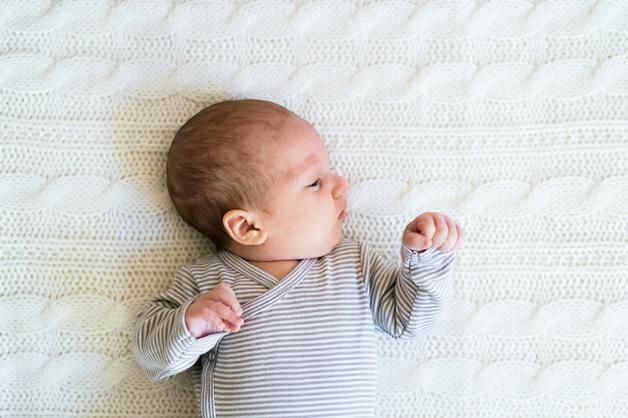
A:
[(432, 229), (215, 311)]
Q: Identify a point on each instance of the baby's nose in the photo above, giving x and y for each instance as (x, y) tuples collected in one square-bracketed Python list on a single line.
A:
[(341, 185), (350, 199)]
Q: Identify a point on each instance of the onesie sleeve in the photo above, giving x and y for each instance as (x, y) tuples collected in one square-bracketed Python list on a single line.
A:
[(407, 300), (161, 342)]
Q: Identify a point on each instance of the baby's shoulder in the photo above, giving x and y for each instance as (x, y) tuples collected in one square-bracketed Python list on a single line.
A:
[(207, 270), (347, 244), (346, 249), (343, 264)]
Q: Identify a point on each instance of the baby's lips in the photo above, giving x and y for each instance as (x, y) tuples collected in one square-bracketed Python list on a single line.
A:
[(349, 206)]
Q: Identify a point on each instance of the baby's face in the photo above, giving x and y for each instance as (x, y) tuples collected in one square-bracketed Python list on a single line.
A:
[(308, 197)]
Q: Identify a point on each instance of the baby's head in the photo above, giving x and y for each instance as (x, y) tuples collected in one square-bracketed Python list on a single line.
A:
[(255, 178)]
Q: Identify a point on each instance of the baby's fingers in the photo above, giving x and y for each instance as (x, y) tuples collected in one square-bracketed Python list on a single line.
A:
[(460, 237), (222, 325), (225, 294), (451, 237), (234, 327), (217, 322), (416, 241), (220, 310)]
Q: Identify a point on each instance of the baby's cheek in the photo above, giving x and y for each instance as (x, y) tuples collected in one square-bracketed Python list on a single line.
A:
[(309, 224)]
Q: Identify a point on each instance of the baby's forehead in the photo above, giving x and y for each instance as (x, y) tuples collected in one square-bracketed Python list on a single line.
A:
[(287, 150), (279, 160)]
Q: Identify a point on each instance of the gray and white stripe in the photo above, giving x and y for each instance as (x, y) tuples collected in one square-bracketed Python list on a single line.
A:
[(307, 347)]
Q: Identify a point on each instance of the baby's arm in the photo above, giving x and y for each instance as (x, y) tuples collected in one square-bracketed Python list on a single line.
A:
[(162, 343), (407, 300)]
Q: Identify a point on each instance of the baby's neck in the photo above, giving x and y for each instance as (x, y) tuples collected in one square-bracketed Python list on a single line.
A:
[(278, 269)]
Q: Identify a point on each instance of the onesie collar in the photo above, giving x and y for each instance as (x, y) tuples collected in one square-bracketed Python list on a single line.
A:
[(264, 278)]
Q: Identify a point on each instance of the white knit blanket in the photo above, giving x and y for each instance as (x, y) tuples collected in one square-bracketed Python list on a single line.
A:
[(509, 116)]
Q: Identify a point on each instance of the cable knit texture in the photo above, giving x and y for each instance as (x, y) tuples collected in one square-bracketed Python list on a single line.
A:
[(510, 116)]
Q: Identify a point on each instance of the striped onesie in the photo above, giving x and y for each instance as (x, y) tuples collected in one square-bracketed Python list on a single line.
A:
[(307, 346)]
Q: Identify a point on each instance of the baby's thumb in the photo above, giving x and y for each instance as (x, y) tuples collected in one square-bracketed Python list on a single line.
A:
[(425, 243), (418, 241)]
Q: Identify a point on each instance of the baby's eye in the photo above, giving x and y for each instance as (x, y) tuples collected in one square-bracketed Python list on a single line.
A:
[(315, 183)]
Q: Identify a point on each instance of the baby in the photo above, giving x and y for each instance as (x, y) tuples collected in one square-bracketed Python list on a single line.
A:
[(280, 321)]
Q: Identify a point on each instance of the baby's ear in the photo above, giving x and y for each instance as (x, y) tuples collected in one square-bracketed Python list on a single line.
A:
[(243, 228)]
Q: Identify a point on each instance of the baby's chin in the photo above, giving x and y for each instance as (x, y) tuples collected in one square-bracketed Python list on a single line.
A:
[(325, 249), (333, 244)]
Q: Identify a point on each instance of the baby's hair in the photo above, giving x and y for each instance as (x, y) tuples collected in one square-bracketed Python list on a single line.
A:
[(215, 159)]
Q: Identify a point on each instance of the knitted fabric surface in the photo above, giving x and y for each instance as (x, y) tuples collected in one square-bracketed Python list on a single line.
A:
[(509, 116)]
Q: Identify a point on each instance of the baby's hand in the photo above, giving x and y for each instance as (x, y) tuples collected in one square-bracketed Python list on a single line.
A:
[(431, 229), (214, 311)]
